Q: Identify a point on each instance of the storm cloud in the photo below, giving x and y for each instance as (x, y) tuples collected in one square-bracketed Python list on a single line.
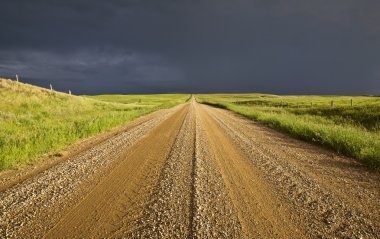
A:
[(137, 46)]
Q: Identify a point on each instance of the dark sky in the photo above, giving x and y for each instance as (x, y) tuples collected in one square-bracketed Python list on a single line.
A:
[(162, 46)]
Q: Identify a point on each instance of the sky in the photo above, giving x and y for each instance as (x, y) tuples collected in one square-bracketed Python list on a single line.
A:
[(193, 46)]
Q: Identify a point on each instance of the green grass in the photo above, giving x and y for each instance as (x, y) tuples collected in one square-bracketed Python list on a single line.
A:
[(350, 130), (36, 121)]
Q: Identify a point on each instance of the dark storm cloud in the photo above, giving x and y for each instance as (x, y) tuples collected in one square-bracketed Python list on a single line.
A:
[(194, 46)]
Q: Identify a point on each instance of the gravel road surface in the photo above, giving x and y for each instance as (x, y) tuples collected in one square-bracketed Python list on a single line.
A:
[(193, 171)]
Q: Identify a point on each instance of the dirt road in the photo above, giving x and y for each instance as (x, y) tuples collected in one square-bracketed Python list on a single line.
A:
[(195, 172)]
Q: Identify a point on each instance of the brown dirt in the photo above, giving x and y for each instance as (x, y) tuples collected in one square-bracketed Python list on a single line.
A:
[(194, 172)]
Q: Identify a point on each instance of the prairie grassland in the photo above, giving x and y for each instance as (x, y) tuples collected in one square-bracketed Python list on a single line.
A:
[(156, 100), (350, 130), (35, 121)]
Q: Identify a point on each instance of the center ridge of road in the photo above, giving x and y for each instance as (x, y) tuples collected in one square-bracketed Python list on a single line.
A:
[(195, 171)]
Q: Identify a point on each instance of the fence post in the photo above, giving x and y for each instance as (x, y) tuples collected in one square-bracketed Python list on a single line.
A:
[(51, 87), (16, 77), (69, 92), (332, 104), (351, 101)]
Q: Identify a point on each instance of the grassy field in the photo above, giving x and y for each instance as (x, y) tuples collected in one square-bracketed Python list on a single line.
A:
[(352, 130), (36, 121)]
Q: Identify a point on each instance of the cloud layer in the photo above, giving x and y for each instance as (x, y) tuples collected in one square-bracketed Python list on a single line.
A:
[(291, 47)]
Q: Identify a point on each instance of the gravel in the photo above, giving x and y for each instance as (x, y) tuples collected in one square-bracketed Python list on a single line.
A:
[(34, 206)]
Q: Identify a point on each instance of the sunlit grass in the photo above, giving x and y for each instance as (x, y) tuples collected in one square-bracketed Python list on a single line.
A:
[(35, 121), (352, 130)]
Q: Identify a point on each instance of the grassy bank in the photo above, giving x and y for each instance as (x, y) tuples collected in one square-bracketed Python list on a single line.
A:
[(349, 127), (36, 121)]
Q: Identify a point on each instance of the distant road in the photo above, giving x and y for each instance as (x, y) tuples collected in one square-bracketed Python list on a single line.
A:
[(194, 171)]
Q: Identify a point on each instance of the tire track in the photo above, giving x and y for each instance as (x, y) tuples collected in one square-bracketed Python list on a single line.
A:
[(327, 214), (259, 211), (29, 209), (215, 215), (101, 210), (168, 212)]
